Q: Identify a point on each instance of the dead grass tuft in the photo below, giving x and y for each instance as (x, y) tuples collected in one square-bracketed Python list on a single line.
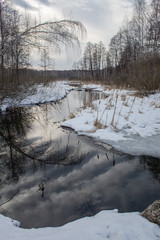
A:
[(98, 124), (91, 131), (140, 112), (123, 97), (71, 116), (157, 106)]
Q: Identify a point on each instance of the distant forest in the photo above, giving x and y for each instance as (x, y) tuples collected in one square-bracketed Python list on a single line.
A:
[(132, 59)]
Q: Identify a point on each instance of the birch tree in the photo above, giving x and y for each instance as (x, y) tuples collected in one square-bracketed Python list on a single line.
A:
[(18, 35)]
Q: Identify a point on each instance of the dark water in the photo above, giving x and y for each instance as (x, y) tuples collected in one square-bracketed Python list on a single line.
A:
[(50, 176)]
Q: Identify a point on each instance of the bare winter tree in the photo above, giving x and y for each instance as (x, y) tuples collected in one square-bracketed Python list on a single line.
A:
[(135, 49), (18, 35), (140, 24), (88, 58), (154, 26), (6, 14), (46, 61), (94, 60)]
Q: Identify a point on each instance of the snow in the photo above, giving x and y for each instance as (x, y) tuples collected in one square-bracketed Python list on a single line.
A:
[(95, 87), (39, 94), (105, 225), (127, 122)]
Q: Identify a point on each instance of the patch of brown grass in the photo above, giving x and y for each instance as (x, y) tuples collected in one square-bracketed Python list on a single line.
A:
[(157, 106), (91, 131), (98, 124), (140, 112), (71, 116), (123, 97)]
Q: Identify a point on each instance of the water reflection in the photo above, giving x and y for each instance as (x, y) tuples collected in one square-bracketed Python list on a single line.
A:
[(50, 176), (13, 127), (153, 164)]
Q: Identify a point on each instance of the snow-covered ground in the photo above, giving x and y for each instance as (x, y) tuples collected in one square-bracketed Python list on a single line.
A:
[(105, 225), (127, 122), (39, 94)]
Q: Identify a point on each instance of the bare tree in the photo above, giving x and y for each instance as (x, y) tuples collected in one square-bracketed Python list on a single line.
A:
[(88, 58), (18, 35), (46, 61), (5, 32), (55, 33), (154, 26)]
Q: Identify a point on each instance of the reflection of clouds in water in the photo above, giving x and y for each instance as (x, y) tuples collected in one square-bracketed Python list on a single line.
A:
[(72, 192), (98, 182), (44, 118)]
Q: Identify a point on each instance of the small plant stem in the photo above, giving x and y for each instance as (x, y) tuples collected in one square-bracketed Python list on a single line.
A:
[(114, 110), (118, 117), (131, 108)]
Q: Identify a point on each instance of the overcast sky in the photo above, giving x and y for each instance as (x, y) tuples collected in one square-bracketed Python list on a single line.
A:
[(102, 18)]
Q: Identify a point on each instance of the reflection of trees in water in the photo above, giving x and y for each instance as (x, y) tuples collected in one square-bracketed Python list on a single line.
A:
[(152, 164), (83, 99), (91, 96), (18, 153), (13, 127), (58, 152)]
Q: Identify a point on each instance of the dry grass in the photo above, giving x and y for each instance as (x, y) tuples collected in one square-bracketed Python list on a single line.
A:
[(98, 124), (157, 106), (71, 116), (140, 112), (123, 97), (118, 117), (91, 131), (114, 112), (130, 110)]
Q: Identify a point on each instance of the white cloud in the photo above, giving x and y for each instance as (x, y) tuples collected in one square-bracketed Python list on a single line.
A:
[(102, 18), (82, 5)]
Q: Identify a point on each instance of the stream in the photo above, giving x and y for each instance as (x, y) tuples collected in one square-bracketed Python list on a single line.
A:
[(50, 176)]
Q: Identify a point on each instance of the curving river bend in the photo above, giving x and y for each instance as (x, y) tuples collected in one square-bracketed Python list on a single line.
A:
[(50, 176)]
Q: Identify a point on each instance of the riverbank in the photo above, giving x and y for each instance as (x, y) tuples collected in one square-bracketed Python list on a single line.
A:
[(105, 225), (38, 94), (129, 123)]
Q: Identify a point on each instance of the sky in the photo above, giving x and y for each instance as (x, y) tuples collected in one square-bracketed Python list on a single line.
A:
[(101, 18)]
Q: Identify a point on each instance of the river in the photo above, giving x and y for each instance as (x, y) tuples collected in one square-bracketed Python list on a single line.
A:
[(50, 176)]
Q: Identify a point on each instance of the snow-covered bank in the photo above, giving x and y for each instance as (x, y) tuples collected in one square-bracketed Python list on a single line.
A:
[(38, 94), (129, 123), (105, 225)]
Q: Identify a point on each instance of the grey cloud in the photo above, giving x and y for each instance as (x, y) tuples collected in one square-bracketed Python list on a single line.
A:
[(24, 4), (81, 5), (98, 15), (45, 2)]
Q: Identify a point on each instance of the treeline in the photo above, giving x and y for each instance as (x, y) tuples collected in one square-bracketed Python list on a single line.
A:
[(133, 57), (20, 34)]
